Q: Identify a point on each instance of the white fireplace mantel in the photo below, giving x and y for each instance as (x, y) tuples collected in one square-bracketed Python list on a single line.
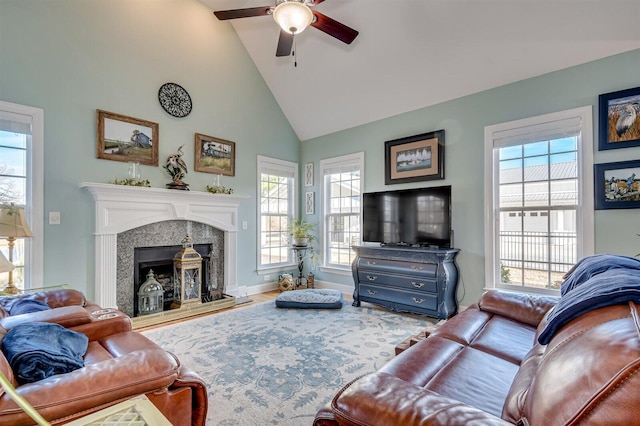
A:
[(119, 208)]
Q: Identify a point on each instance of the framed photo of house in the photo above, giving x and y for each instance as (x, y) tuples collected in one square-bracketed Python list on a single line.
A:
[(215, 155), (617, 185), (414, 158), (123, 138), (619, 119)]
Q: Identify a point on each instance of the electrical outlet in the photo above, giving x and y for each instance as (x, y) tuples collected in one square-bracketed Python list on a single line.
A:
[(266, 277), (54, 218), (245, 225)]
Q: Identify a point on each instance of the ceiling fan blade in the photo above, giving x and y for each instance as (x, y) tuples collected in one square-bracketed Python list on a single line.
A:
[(242, 13), (334, 28), (285, 42), (316, 2)]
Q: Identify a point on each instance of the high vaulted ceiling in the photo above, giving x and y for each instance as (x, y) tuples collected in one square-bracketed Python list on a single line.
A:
[(415, 53)]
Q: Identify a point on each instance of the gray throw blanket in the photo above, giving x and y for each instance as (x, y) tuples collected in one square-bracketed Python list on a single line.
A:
[(39, 350)]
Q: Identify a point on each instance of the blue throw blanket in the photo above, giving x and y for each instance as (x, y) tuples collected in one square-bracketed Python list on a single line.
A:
[(611, 287), (39, 350), (27, 306), (593, 265)]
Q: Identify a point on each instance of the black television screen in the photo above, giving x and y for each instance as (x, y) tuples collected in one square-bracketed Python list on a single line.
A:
[(420, 216)]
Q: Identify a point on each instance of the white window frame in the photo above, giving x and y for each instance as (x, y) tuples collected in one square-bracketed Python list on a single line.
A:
[(34, 209), (286, 168), (585, 211), (356, 159)]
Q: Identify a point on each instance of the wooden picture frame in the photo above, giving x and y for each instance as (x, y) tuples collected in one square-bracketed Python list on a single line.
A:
[(123, 138), (214, 155), (414, 158), (619, 119), (617, 185)]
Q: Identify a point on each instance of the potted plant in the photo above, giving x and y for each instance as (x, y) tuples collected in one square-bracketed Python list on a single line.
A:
[(300, 230)]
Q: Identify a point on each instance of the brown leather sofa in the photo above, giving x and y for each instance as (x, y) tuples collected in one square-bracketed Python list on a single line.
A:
[(119, 364), (486, 367)]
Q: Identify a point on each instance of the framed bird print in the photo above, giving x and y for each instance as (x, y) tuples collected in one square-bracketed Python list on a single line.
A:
[(215, 155), (617, 185), (619, 119), (122, 138)]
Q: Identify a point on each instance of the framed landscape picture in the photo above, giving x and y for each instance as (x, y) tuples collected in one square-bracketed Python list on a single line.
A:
[(414, 158), (215, 155), (617, 185), (123, 138), (619, 119)]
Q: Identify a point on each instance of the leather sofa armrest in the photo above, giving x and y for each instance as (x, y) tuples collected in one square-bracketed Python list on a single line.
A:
[(93, 387), (383, 399), (522, 307), (66, 316), (104, 323), (200, 401)]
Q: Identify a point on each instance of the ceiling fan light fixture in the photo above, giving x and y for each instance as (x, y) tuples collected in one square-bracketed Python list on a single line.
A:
[(293, 16)]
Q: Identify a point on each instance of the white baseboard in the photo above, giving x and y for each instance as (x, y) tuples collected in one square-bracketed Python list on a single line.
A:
[(267, 287)]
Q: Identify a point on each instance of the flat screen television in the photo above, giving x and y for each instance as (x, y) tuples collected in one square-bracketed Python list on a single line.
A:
[(411, 217)]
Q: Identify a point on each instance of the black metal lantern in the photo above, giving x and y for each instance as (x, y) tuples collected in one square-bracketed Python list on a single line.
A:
[(150, 296), (187, 273)]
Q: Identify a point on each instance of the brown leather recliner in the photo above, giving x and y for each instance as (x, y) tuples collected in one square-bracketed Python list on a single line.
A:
[(485, 367), (119, 364)]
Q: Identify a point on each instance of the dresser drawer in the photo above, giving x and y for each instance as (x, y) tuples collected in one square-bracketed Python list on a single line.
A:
[(417, 268), (417, 283), (409, 298)]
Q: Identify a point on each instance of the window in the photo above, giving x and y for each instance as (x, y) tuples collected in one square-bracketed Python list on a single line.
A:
[(277, 180), (541, 166), (21, 183), (342, 179)]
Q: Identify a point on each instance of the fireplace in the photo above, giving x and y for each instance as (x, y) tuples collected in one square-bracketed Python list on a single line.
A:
[(158, 217)]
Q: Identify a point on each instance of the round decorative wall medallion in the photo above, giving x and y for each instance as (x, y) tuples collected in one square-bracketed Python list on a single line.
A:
[(175, 100)]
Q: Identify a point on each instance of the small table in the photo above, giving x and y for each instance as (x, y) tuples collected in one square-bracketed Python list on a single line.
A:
[(301, 252)]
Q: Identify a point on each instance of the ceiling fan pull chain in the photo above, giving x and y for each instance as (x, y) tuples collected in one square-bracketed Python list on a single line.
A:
[(295, 58)]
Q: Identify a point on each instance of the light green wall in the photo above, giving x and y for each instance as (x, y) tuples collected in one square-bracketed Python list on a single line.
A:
[(71, 57), (464, 120)]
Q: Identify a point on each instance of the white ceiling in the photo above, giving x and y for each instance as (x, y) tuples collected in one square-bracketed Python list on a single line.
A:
[(415, 53)]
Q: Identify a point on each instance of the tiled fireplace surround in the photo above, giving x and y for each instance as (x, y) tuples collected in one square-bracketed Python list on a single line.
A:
[(170, 213)]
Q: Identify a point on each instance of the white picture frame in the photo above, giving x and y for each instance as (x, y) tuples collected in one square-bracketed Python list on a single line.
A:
[(309, 203), (308, 174)]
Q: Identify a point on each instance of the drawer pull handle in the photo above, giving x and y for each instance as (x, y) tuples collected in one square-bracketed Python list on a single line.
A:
[(371, 263), (417, 268), (372, 292), (417, 285), (372, 277), (417, 300)]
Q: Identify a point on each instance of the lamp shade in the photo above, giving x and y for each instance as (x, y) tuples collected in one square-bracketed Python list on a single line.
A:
[(293, 16), (13, 223), (5, 265)]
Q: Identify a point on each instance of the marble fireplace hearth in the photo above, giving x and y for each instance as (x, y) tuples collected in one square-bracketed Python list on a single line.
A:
[(160, 217)]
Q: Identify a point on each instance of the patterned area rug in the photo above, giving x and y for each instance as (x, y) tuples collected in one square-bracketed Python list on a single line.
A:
[(269, 366)]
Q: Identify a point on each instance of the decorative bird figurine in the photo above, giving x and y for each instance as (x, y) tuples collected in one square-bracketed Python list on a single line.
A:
[(626, 119), (177, 168)]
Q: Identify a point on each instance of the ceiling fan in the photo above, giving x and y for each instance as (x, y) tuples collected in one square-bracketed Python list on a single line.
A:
[(293, 16)]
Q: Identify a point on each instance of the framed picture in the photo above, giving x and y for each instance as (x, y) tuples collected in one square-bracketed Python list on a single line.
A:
[(309, 203), (308, 174), (122, 138), (619, 119), (617, 185), (215, 155), (414, 158)]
